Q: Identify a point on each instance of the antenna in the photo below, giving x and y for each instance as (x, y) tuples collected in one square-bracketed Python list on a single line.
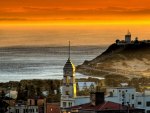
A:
[(69, 50), (128, 33)]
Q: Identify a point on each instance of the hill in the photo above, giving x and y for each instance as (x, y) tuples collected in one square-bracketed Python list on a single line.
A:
[(129, 60)]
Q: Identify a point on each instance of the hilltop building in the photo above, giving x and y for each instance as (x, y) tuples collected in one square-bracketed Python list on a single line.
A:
[(69, 97), (128, 38)]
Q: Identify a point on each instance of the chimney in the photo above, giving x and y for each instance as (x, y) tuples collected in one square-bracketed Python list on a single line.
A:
[(97, 98)]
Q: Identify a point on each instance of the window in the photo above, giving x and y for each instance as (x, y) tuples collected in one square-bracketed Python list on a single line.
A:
[(67, 92), (132, 105), (148, 111), (64, 104), (111, 94), (30, 102), (148, 104), (132, 96), (139, 103), (37, 110), (123, 94), (17, 110), (24, 110), (70, 104)]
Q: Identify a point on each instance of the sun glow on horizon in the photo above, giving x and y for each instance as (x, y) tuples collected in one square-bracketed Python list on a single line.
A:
[(37, 22), (75, 23)]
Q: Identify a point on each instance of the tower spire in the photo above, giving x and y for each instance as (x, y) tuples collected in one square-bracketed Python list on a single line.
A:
[(69, 50)]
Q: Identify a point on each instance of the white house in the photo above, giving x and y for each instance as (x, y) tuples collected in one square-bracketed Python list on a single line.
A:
[(23, 109), (129, 96)]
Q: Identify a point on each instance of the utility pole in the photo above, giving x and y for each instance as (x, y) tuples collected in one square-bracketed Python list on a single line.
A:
[(9, 98)]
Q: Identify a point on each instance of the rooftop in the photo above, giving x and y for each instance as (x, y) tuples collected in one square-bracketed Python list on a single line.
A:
[(69, 65), (104, 106)]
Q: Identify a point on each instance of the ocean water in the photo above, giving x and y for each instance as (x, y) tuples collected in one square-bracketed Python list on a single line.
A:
[(17, 63), (47, 63)]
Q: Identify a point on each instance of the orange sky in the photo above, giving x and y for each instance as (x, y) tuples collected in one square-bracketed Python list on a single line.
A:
[(111, 17), (74, 11)]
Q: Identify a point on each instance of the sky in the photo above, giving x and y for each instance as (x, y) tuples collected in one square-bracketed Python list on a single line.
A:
[(74, 11), (82, 21)]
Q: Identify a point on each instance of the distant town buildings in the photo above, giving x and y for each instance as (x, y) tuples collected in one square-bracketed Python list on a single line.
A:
[(98, 104), (116, 99), (129, 97)]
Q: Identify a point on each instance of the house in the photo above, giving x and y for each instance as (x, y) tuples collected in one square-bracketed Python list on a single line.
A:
[(99, 105), (129, 96)]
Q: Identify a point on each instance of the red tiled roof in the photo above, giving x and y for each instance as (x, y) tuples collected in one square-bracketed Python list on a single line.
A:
[(104, 106)]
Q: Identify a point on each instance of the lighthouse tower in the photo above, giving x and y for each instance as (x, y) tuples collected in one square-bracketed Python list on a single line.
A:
[(69, 84), (128, 38)]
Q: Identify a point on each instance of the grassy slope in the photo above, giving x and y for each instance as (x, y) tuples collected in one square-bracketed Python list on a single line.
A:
[(132, 57)]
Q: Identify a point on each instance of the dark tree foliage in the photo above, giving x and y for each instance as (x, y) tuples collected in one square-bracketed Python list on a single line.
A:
[(2, 95), (3, 106)]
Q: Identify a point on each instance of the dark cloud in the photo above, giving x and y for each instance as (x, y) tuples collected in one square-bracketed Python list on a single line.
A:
[(13, 19), (46, 13)]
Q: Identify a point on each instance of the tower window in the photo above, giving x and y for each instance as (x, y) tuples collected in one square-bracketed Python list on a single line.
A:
[(67, 92)]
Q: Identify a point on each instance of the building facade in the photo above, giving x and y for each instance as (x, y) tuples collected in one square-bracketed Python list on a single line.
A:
[(23, 109), (128, 96), (69, 85)]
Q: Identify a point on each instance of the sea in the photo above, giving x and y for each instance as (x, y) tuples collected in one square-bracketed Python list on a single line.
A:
[(19, 63), (33, 52)]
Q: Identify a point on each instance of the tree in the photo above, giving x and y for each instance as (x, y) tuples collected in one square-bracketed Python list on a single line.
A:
[(19, 95), (32, 92), (3, 106), (2, 94), (38, 91)]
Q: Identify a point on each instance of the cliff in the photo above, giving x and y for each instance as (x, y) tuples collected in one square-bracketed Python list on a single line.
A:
[(130, 60)]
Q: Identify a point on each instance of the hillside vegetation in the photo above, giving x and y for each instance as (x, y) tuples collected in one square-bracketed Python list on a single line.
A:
[(129, 60)]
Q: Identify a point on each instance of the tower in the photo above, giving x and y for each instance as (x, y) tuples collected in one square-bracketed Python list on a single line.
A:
[(69, 84), (128, 37)]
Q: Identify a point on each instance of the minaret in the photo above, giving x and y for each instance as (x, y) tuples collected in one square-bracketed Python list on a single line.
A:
[(69, 84)]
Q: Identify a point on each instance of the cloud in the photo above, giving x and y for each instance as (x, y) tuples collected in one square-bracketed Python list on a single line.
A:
[(46, 13), (13, 19), (134, 11)]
